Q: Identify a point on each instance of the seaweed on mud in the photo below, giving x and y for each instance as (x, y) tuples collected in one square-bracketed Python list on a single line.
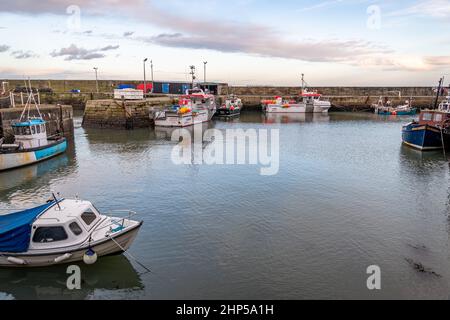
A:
[(422, 269)]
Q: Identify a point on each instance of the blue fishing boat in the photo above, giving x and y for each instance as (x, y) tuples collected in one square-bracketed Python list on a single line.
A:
[(31, 143), (432, 131)]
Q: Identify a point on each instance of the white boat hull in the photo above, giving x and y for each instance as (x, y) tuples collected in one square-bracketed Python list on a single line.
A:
[(321, 109), (185, 120), (103, 248), (297, 108), (19, 159)]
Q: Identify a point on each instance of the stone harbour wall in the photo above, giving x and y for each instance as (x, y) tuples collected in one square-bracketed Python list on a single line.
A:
[(59, 119)]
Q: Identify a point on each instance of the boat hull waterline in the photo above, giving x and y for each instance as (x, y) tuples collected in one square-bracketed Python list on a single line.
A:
[(424, 137), (17, 159)]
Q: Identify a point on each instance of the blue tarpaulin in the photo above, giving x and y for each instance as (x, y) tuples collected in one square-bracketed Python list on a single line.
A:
[(15, 229)]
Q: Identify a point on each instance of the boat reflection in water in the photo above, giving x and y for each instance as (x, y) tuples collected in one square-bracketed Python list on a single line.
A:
[(108, 277), (64, 163), (166, 133), (296, 118), (416, 157)]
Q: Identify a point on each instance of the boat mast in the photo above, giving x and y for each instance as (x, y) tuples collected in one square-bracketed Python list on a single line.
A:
[(303, 82), (441, 81), (30, 99), (192, 73)]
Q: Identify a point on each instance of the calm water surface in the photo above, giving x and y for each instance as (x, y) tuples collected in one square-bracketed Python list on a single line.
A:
[(347, 196)]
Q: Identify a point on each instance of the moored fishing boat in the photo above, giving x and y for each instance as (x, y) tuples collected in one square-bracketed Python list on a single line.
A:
[(231, 107), (279, 105), (432, 131), (62, 231), (195, 107), (386, 108), (383, 107), (405, 110), (307, 102), (31, 143)]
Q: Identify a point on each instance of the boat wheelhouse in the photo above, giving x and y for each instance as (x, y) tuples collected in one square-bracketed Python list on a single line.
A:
[(62, 231), (314, 99), (195, 107)]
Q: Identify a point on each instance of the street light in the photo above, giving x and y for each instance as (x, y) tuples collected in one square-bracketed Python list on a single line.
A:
[(153, 84), (204, 71), (96, 78), (145, 80)]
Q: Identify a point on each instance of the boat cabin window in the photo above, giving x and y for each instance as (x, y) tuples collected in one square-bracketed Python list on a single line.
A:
[(438, 117), (22, 131), (75, 228), (38, 129), (89, 216), (49, 234), (33, 130), (427, 117)]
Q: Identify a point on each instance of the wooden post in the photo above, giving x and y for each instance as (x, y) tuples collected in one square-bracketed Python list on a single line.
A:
[(21, 98)]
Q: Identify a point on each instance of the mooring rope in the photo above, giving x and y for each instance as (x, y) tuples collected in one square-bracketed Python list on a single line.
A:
[(443, 142), (130, 255)]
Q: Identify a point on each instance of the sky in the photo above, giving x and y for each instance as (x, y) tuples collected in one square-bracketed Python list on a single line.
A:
[(245, 42)]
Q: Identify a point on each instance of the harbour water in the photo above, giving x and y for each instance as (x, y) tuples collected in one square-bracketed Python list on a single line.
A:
[(347, 196)]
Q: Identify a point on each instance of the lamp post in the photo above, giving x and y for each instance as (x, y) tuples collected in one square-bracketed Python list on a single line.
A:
[(204, 71), (145, 80), (96, 78), (153, 79)]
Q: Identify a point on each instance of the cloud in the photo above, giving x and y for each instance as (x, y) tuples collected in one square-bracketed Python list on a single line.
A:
[(107, 48), (60, 6), (128, 34), (194, 32), (75, 53), (4, 48), (438, 60), (19, 54), (430, 8), (321, 5)]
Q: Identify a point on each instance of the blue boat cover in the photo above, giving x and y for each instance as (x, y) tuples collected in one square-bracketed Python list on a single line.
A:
[(15, 229)]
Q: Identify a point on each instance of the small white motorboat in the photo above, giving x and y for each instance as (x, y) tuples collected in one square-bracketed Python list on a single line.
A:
[(63, 231)]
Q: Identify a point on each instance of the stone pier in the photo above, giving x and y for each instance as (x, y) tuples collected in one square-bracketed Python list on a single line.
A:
[(123, 114)]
